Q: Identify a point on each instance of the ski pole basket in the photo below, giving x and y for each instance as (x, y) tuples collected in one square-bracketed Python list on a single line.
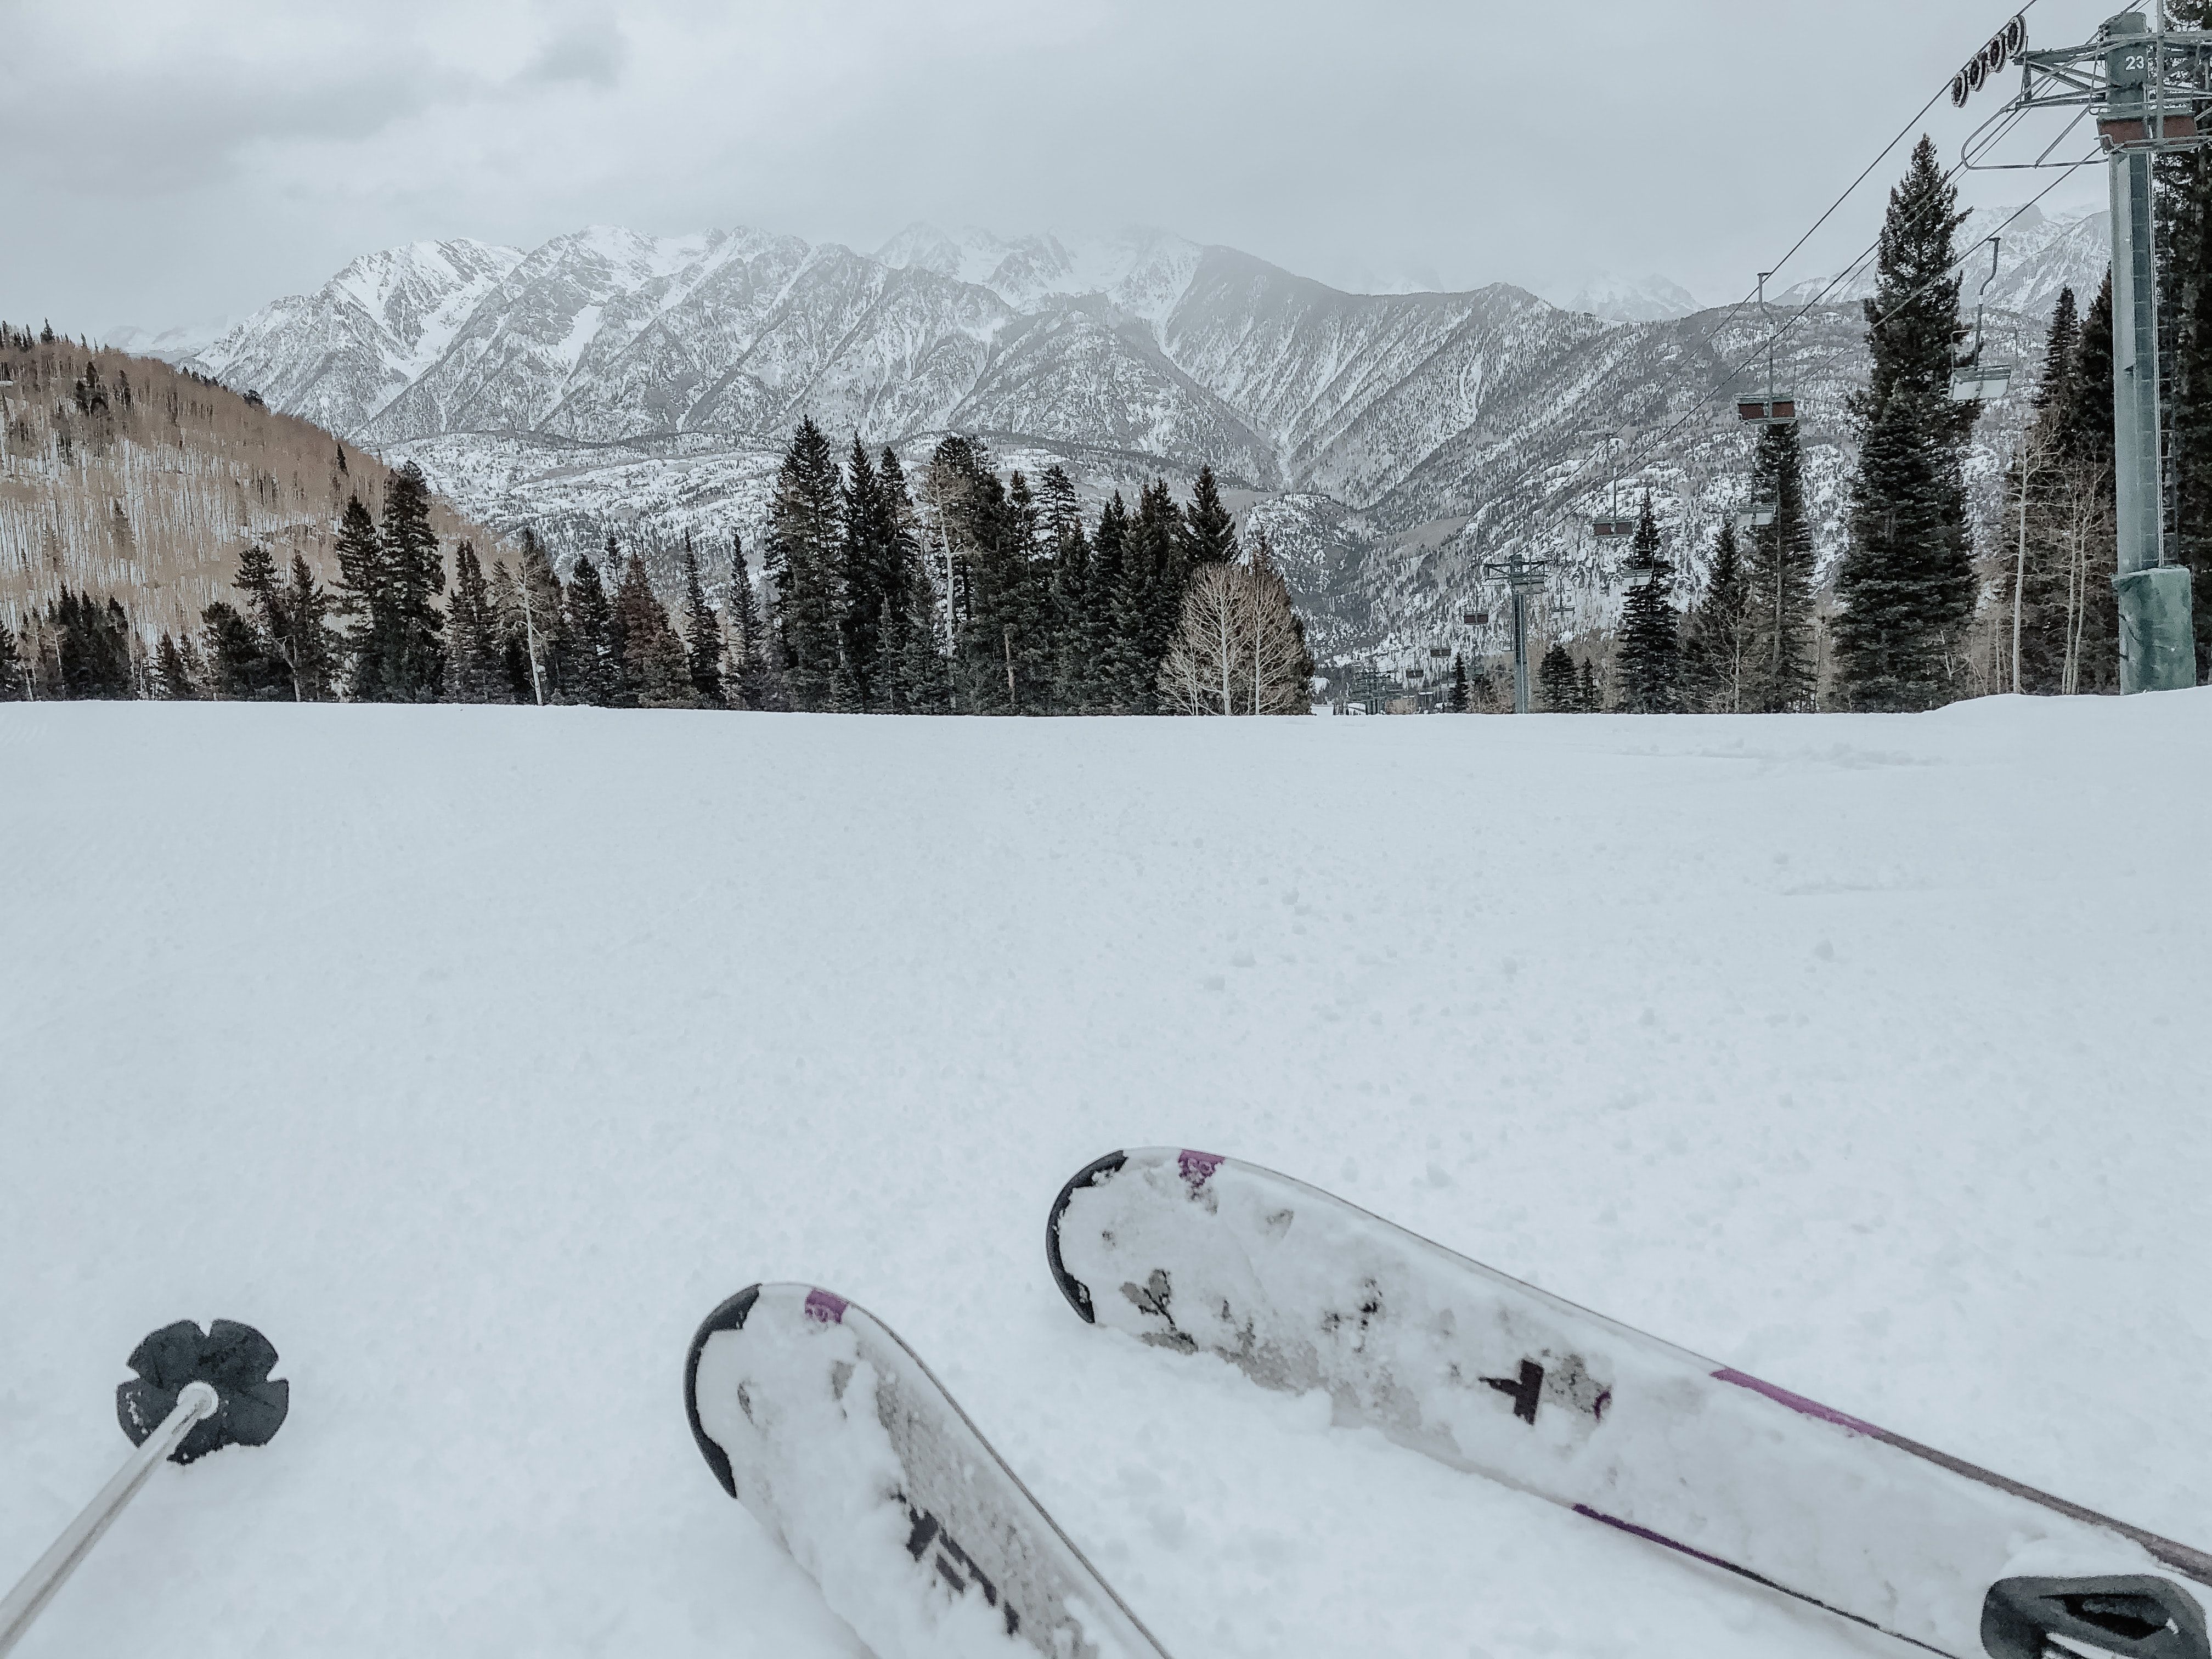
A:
[(195, 1392)]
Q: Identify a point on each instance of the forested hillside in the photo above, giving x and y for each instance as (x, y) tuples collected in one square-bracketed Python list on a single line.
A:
[(123, 476)]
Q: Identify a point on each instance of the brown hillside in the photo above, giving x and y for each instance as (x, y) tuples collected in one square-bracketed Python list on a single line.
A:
[(148, 485)]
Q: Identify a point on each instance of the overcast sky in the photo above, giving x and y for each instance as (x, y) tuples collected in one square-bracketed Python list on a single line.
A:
[(171, 161)]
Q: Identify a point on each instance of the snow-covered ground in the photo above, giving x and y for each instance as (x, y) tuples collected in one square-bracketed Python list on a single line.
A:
[(474, 1054)]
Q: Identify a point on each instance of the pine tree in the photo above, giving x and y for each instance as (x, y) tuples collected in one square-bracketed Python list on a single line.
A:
[(802, 565), (1906, 586), (2068, 621), (1212, 529), (998, 603), (304, 641), (1059, 513), (919, 672), (592, 676), (475, 668), (172, 681), (1720, 631), (412, 648), (868, 563), (257, 581), (360, 598), (1009, 616), (921, 669), (253, 663), (195, 665), (2061, 348), (15, 684), (1589, 699), (1778, 576), (240, 668), (702, 635), (1458, 702), (1100, 633), (1072, 593), (1649, 661), (654, 670), (1146, 601), (752, 682), (1555, 681)]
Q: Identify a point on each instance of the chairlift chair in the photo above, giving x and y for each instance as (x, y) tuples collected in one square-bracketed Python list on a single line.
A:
[(1613, 524), (1476, 618), (1772, 407), (1975, 382), (1760, 516)]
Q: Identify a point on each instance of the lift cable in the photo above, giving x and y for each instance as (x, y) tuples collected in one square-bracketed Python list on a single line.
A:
[(1850, 190), (1790, 325)]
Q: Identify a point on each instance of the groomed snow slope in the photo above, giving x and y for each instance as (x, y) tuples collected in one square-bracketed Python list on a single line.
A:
[(474, 1054)]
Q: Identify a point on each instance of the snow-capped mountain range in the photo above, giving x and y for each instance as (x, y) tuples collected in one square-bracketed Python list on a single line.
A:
[(611, 381)]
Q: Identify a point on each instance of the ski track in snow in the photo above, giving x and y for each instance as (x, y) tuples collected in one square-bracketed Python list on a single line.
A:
[(474, 1054)]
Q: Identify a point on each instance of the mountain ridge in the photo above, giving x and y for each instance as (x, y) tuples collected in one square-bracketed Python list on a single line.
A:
[(608, 382)]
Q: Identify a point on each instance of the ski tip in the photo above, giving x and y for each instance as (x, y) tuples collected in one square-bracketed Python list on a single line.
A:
[(1077, 1292), (730, 1316)]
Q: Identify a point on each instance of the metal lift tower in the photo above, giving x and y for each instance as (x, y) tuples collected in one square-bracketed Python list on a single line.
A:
[(1524, 577), (2149, 86)]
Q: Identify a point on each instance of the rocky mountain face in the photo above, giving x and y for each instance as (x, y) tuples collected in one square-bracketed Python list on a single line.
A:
[(612, 383)]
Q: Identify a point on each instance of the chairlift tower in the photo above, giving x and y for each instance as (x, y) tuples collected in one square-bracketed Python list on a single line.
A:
[(2151, 89), (1522, 577)]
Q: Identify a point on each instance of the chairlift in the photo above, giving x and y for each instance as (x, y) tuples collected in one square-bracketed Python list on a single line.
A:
[(1612, 525), (1440, 651), (1476, 618), (1975, 382), (1773, 407), (1760, 516)]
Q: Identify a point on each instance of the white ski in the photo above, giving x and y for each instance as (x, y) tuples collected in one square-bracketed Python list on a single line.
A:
[(816, 1418), (1302, 1290)]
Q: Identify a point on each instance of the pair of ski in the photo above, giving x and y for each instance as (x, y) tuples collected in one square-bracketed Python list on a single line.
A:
[(835, 1435)]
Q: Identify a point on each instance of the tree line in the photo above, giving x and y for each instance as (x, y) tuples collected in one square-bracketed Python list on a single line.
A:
[(961, 594)]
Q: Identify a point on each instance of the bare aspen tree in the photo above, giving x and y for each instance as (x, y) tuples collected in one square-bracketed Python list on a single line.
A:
[(1238, 648)]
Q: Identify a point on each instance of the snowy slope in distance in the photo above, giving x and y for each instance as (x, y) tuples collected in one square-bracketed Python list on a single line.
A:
[(535, 1034)]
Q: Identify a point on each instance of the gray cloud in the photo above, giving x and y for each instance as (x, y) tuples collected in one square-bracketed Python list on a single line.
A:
[(252, 147), (593, 53)]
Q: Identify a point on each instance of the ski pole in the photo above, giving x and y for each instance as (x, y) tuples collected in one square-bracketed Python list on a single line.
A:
[(193, 1394)]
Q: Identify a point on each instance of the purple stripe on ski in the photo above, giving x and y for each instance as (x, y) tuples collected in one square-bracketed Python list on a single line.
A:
[(1660, 1538), (825, 1307), (1197, 1168), (1798, 1403)]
